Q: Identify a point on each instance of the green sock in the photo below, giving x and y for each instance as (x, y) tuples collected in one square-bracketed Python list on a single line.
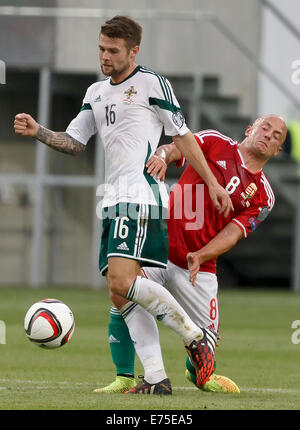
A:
[(190, 367), (121, 346)]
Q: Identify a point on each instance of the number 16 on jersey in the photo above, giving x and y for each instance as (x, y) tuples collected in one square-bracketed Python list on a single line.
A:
[(110, 114)]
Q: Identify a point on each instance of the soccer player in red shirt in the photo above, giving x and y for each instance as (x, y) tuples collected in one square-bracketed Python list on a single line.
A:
[(198, 234)]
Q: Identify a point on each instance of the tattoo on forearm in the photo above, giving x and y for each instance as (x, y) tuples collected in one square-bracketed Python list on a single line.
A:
[(60, 141)]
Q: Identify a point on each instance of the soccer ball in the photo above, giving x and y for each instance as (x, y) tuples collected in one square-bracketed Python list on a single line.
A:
[(49, 323)]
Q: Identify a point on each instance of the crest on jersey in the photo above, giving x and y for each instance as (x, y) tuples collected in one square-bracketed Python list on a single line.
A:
[(129, 94), (249, 192), (178, 119)]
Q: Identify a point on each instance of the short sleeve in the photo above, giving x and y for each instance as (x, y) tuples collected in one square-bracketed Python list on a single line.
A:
[(250, 219), (208, 139), (164, 102), (83, 126)]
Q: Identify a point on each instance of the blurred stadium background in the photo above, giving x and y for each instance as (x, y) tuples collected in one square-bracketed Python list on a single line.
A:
[(228, 61)]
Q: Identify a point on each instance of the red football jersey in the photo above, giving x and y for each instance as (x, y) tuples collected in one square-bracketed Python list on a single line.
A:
[(192, 217)]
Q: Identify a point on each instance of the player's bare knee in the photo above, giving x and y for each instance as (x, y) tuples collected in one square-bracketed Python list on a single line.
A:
[(113, 297), (117, 300), (118, 285), (115, 289)]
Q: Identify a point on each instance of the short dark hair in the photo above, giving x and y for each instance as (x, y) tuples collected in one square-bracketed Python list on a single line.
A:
[(125, 28)]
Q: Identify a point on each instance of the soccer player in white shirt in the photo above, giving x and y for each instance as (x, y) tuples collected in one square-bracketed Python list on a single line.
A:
[(129, 109)]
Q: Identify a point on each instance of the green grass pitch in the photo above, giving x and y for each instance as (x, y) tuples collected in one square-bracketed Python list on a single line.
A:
[(256, 351)]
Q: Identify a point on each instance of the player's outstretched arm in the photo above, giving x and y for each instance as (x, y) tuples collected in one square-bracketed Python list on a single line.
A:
[(25, 125), (221, 243), (189, 147)]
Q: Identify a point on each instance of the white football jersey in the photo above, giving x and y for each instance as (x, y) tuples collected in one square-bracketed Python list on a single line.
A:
[(130, 117)]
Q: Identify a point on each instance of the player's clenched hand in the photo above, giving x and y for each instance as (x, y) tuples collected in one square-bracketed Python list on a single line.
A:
[(220, 199), (25, 125), (193, 262), (157, 166)]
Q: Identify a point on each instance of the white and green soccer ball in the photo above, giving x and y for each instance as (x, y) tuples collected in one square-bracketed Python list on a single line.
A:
[(49, 323)]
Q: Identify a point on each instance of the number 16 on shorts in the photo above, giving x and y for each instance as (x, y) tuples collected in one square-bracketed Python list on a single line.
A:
[(121, 229)]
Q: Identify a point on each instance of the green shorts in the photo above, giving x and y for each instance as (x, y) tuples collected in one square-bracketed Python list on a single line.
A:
[(135, 231)]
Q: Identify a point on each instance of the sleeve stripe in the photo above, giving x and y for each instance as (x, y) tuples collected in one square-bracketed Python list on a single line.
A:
[(242, 227), (166, 90), (268, 189), (151, 72), (86, 106), (163, 104), (163, 88), (199, 139), (215, 133)]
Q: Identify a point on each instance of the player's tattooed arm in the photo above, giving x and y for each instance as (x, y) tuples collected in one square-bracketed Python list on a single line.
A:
[(60, 141)]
